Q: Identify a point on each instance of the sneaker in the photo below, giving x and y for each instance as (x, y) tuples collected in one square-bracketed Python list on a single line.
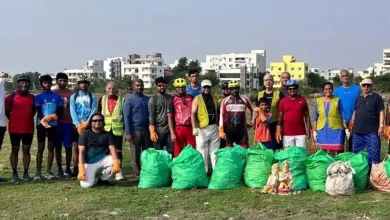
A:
[(119, 176), (75, 172), (49, 175), (15, 178), (26, 177), (101, 182), (60, 173), (38, 176), (68, 174)]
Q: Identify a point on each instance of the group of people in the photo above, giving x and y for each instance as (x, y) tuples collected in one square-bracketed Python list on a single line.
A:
[(92, 131)]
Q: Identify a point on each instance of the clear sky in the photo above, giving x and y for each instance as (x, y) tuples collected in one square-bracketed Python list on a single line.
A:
[(48, 36)]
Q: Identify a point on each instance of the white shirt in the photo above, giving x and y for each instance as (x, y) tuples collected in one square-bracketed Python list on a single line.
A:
[(2, 103)]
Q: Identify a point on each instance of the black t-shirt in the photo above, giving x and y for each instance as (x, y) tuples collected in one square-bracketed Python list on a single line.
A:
[(96, 144), (270, 96), (367, 113), (210, 106)]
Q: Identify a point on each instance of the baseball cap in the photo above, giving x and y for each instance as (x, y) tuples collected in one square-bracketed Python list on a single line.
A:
[(205, 82), (366, 81)]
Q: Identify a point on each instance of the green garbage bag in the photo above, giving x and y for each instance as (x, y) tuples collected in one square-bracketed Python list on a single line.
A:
[(229, 168), (316, 167), (258, 165), (155, 171), (359, 162), (294, 156), (387, 166), (188, 170)]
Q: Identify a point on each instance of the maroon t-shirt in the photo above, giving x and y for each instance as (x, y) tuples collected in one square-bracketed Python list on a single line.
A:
[(65, 95), (293, 115)]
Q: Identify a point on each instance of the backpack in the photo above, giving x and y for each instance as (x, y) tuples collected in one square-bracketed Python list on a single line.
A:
[(90, 98)]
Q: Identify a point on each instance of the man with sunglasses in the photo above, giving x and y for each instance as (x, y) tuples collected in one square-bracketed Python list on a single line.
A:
[(94, 145), (233, 123), (179, 117), (204, 123), (193, 88), (158, 120), (368, 120), (347, 93), (294, 119)]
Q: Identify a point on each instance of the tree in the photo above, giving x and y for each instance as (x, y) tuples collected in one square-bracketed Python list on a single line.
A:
[(124, 84), (183, 66), (336, 81), (357, 79), (261, 79), (212, 76), (195, 65), (315, 80)]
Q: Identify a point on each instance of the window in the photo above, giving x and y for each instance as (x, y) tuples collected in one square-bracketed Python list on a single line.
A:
[(231, 65), (136, 70), (272, 68), (292, 68), (237, 65), (300, 68), (293, 76), (299, 76), (230, 59), (279, 69)]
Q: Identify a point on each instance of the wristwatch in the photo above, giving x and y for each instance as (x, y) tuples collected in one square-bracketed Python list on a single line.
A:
[(381, 126)]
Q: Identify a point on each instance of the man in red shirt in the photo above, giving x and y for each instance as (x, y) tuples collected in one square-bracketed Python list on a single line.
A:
[(20, 111), (65, 127), (179, 117), (294, 118)]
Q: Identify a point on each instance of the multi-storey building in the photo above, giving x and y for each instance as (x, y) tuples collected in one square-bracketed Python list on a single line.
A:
[(297, 70), (386, 60), (93, 70), (113, 67), (330, 73), (147, 69)]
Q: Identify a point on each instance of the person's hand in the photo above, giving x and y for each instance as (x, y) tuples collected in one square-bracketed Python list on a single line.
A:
[(81, 176), (128, 138), (221, 133), (195, 131), (153, 134), (248, 126), (347, 133), (309, 133), (173, 137), (380, 131), (315, 135), (278, 134), (116, 167)]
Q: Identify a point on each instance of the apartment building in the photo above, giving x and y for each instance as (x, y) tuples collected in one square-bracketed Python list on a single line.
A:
[(93, 70), (297, 70), (147, 68), (386, 60), (329, 73), (113, 67)]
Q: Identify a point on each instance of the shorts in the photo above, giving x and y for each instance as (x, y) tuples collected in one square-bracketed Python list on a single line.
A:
[(75, 135), (2, 133), (64, 135), (25, 138), (294, 140), (118, 142), (236, 135), (43, 132)]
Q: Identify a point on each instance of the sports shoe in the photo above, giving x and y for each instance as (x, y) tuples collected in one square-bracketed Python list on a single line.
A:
[(49, 175), (38, 176), (68, 174), (60, 173), (101, 182), (75, 172), (15, 178), (119, 176), (26, 177)]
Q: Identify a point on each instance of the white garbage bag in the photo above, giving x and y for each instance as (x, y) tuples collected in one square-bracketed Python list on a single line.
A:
[(340, 179)]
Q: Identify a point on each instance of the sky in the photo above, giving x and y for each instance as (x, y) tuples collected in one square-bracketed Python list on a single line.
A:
[(47, 36)]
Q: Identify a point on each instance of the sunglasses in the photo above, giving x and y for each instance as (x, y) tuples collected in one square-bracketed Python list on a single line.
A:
[(206, 87), (97, 120), (366, 85), (292, 89)]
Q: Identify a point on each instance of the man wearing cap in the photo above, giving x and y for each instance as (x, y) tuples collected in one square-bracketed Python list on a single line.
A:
[(347, 93), (204, 123), (368, 120)]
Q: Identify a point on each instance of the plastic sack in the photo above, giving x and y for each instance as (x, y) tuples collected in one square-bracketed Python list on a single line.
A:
[(258, 165), (229, 168), (359, 162), (155, 171), (316, 167), (379, 179), (340, 179), (387, 166), (294, 156), (188, 170)]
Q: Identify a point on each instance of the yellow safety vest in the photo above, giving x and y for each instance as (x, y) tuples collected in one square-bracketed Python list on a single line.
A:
[(334, 117), (113, 121), (274, 108), (203, 116)]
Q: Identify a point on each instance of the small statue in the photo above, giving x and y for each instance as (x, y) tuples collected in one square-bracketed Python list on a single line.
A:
[(285, 180), (272, 182)]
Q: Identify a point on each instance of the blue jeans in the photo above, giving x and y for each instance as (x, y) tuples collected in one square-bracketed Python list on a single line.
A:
[(268, 144), (373, 144)]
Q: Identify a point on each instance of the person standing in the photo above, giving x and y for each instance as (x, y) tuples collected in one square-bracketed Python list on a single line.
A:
[(94, 144), (233, 117), (64, 127), (348, 93), (137, 124), (328, 126), (294, 119), (284, 77), (19, 107), (193, 88), (225, 93), (83, 105), (273, 97), (111, 107), (261, 121), (179, 118), (205, 124), (367, 121), (158, 120), (2, 115), (50, 107)]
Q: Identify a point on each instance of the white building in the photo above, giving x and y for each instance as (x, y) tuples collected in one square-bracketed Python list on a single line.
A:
[(93, 70), (386, 60), (172, 65), (241, 75), (315, 70), (329, 73), (379, 69), (237, 63), (113, 67), (147, 69)]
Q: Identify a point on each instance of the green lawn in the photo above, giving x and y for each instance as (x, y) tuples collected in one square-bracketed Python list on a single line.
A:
[(65, 199)]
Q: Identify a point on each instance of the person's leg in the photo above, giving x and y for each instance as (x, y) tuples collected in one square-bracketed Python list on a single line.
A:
[(288, 141), (106, 165), (41, 136), (229, 132), (189, 137), (300, 141), (51, 135), (90, 173), (26, 146), (2, 132), (159, 145), (180, 141), (15, 143), (136, 152), (214, 143), (268, 145), (168, 143), (75, 152), (358, 143), (118, 148), (373, 148), (244, 138), (146, 142), (272, 130), (59, 140), (202, 146)]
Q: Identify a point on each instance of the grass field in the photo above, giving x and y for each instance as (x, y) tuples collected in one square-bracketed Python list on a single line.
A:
[(65, 199)]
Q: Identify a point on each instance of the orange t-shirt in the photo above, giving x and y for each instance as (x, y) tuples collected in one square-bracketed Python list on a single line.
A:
[(262, 133)]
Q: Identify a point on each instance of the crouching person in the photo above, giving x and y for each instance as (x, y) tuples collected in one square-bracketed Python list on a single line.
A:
[(94, 145)]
